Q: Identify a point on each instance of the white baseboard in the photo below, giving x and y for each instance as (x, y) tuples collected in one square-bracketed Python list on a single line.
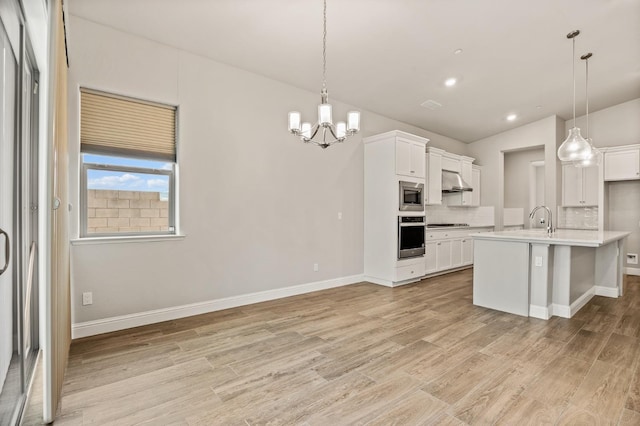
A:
[(632, 271), (566, 311), (542, 312), (106, 325), (582, 300), (606, 291), (378, 281)]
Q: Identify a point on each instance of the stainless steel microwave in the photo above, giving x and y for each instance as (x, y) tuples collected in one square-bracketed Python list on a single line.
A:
[(411, 196)]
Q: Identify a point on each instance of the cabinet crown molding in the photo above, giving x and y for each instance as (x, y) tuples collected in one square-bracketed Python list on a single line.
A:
[(395, 134)]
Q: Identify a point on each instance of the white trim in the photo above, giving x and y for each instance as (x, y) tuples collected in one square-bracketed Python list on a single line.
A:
[(106, 325), (388, 283), (632, 271), (125, 239), (606, 291), (582, 300), (565, 311), (378, 281), (542, 312)]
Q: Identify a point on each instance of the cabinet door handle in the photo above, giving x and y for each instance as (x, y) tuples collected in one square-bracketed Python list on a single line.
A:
[(7, 248)]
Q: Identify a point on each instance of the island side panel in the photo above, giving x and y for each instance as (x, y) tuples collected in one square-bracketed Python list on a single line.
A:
[(608, 273), (501, 276), (541, 281)]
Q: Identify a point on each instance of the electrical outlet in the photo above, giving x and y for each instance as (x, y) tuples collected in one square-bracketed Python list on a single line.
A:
[(87, 298), (632, 258), (538, 261), (339, 215), (316, 267)]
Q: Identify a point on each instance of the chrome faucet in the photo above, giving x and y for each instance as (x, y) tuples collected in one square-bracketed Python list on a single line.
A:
[(550, 228)]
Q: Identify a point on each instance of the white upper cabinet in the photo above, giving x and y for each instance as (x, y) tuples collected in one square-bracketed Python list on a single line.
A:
[(622, 163), (475, 182), (410, 158), (466, 171), (433, 192), (579, 186)]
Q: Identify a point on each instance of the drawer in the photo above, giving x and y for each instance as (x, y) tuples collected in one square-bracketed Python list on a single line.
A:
[(408, 272), (431, 235)]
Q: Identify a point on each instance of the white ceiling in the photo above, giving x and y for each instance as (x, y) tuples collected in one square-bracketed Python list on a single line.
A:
[(389, 56)]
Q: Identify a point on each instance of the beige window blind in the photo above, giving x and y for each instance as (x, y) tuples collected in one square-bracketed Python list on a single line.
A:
[(115, 125)]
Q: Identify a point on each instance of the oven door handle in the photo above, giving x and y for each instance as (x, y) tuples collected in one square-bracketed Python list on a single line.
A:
[(404, 225)]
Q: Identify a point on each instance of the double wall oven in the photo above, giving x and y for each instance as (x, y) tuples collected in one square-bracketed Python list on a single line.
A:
[(411, 231)]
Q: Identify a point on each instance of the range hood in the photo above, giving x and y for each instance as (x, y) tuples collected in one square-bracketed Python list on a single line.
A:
[(452, 182)]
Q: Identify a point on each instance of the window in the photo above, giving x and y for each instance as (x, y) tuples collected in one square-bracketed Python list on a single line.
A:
[(128, 166)]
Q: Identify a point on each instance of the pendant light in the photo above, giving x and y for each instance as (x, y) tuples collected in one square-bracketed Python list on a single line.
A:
[(596, 156), (575, 147), (324, 129)]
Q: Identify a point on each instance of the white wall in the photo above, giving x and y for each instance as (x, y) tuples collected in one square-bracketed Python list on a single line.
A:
[(490, 152), (258, 207)]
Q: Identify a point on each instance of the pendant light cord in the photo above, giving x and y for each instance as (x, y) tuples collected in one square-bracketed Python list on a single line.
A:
[(573, 63), (587, 93), (324, 48)]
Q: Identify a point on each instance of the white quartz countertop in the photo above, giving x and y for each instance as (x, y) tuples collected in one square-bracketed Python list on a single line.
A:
[(566, 237)]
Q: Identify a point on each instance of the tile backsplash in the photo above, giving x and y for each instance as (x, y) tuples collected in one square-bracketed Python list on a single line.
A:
[(578, 217), (474, 216)]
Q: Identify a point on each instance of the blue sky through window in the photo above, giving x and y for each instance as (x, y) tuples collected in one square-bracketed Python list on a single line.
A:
[(127, 181)]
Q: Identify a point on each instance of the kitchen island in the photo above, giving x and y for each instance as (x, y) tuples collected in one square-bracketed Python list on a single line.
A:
[(531, 273)]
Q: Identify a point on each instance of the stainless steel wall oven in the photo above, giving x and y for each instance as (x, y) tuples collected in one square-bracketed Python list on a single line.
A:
[(410, 236)]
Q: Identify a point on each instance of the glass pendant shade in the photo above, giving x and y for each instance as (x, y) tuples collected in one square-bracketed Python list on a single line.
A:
[(341, 129), (324, 114), (593, 160), (294, 121), (575, 147), (353, 121), (306, 130)]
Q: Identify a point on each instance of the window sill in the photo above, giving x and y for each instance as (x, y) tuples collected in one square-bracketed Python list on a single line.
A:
[(125, 239)]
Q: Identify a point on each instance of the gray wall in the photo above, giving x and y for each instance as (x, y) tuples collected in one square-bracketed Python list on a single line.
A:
[(258, 207), (613, 126), (490, 152), (624, 214), (517, 174)]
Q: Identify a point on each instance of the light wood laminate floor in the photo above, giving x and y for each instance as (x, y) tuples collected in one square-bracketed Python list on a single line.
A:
[(365, 354)]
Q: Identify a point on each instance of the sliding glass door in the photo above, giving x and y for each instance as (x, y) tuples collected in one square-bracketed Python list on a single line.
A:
[(19, 342)]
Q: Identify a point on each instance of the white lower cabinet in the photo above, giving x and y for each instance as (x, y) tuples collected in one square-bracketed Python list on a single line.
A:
[(456, 253), (449, 248), (409, 269), (467, 251), (443, 255), (430, 265)]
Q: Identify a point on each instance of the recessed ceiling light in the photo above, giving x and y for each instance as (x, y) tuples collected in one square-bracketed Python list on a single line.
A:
[(538, 106), (450, 82), (457, 51), (511, 117)]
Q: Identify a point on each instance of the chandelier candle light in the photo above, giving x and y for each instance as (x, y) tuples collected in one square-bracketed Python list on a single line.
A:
[(330, 133), (575, 147), (596, 156)]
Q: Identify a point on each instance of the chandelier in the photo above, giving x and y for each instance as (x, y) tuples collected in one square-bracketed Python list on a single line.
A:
[(575, 147), (324, 133)]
